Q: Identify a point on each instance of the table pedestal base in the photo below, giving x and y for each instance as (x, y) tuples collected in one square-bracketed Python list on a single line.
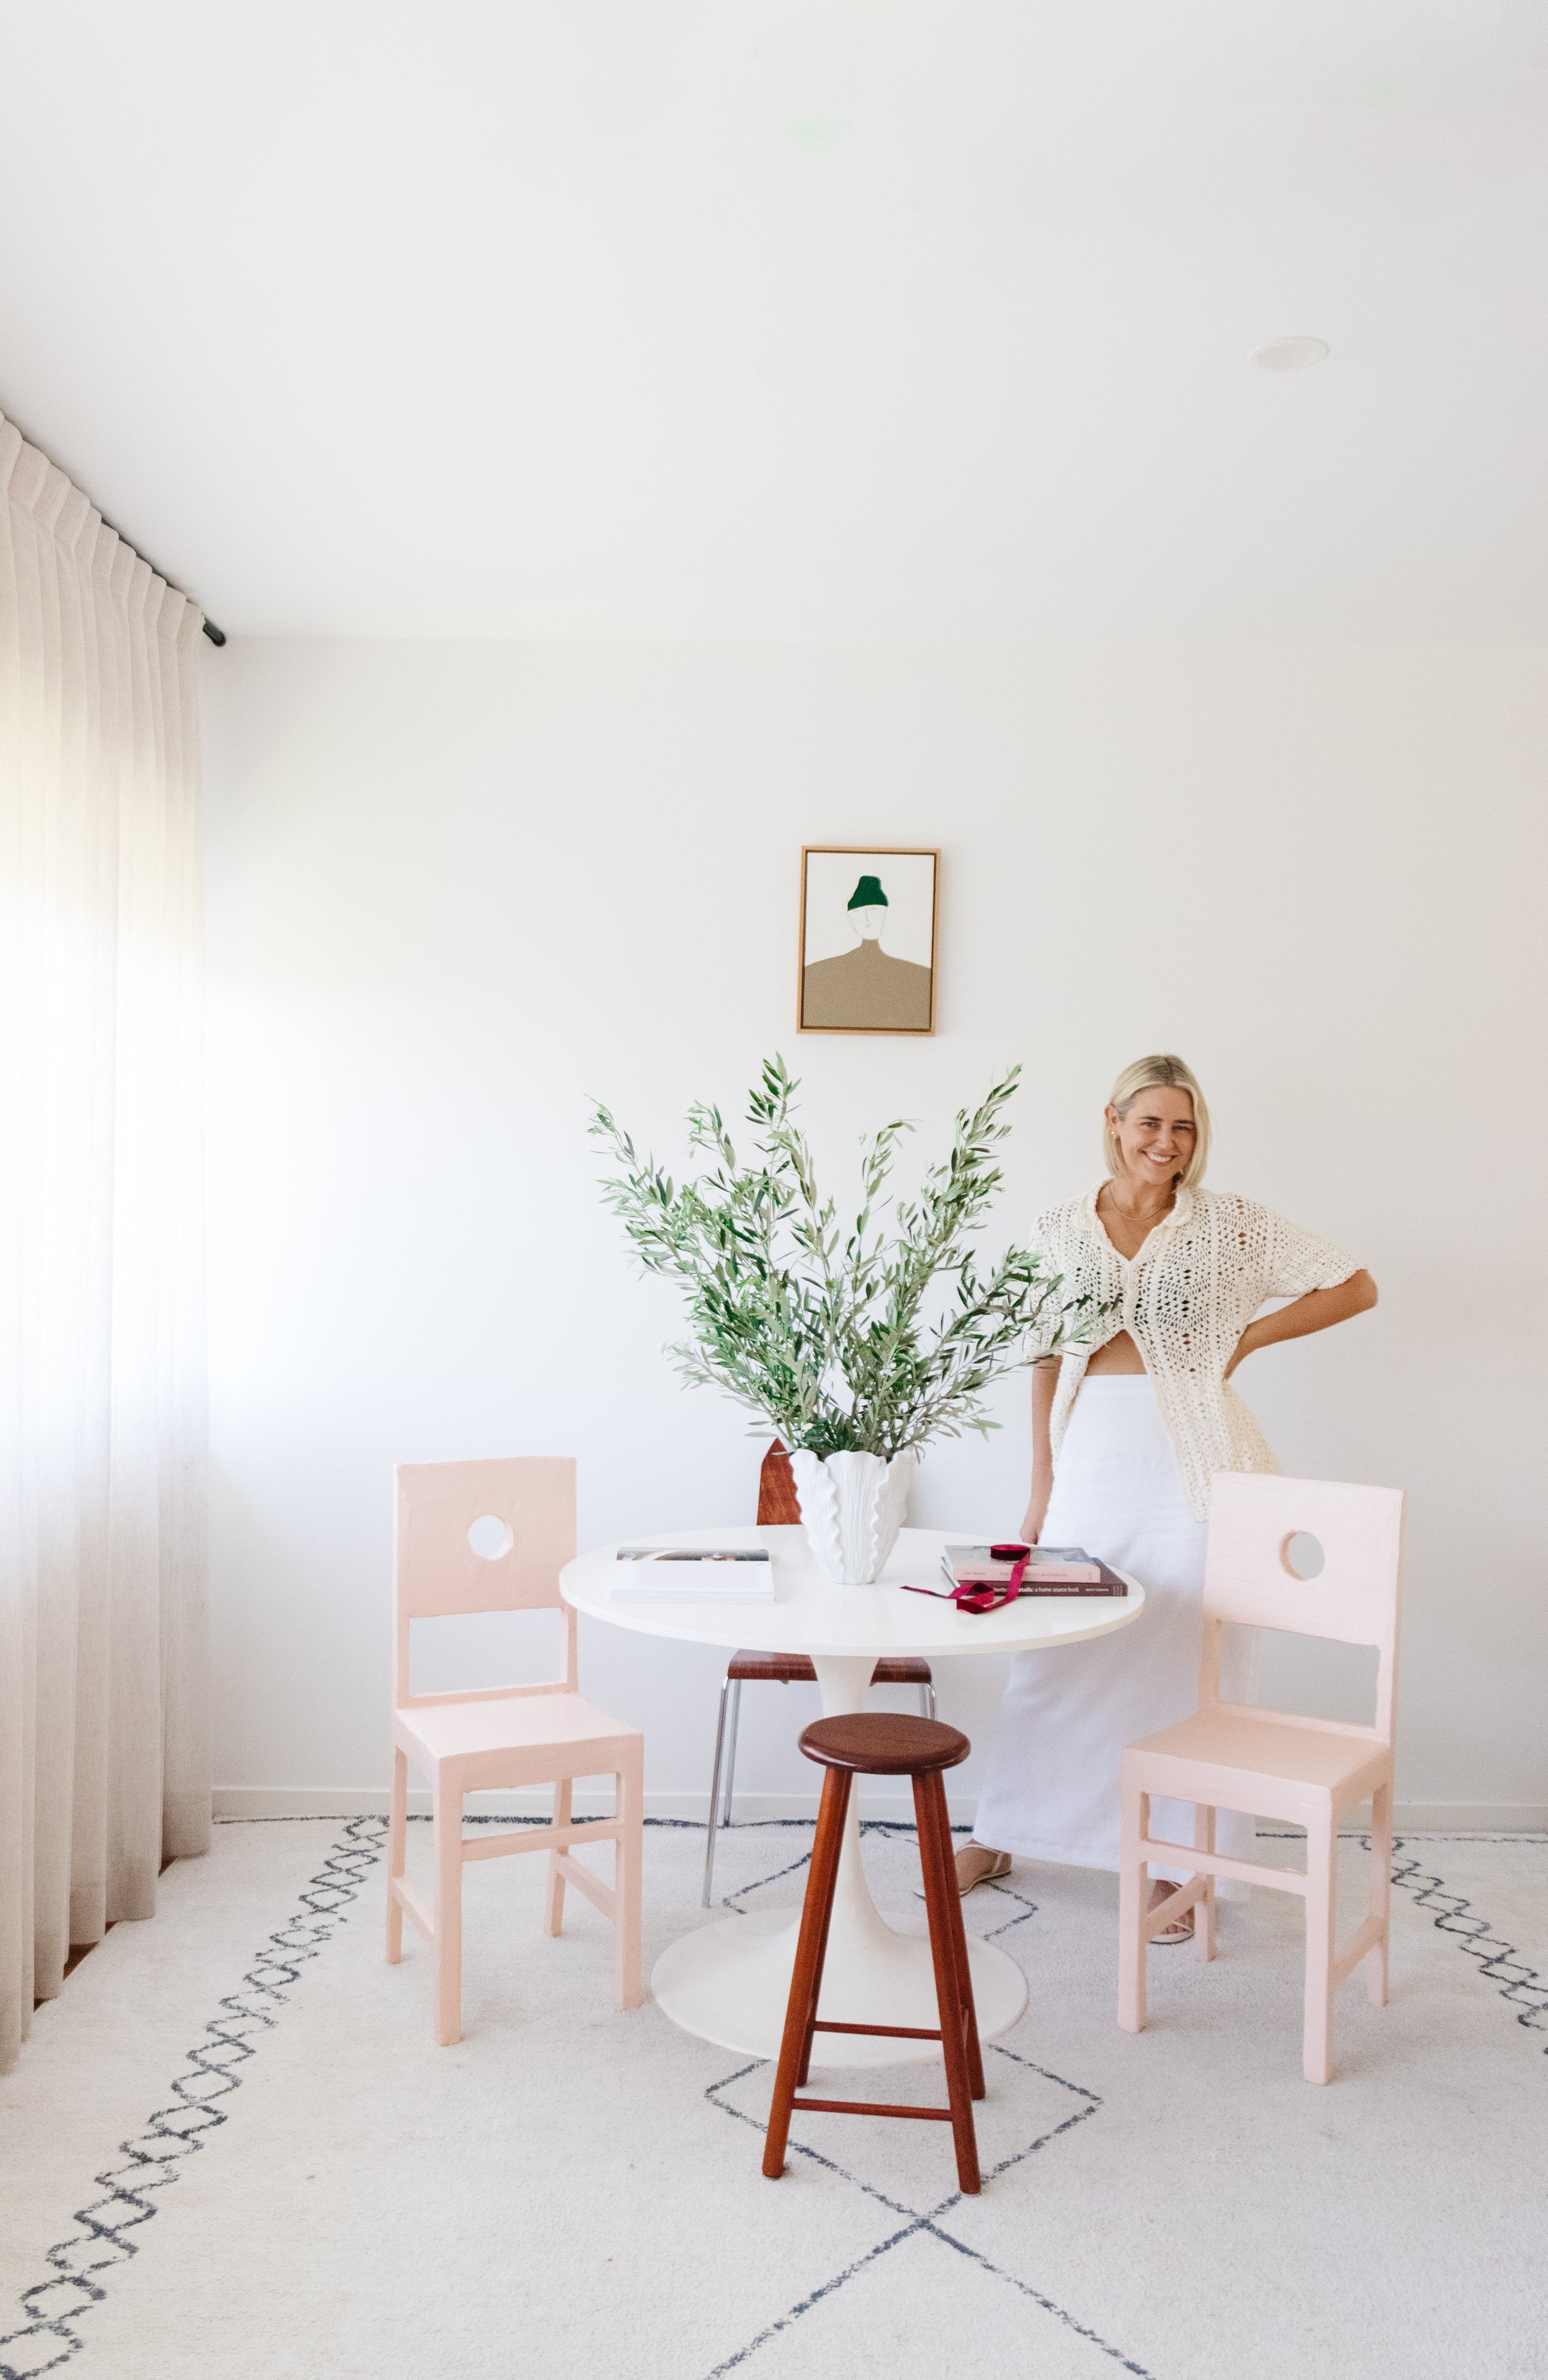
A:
[(730, 1982)]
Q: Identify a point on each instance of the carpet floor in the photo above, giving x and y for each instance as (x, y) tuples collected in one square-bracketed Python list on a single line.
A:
[(232, 2149)]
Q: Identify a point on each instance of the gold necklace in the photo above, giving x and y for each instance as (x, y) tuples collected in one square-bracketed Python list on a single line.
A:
[(1135, 1222)]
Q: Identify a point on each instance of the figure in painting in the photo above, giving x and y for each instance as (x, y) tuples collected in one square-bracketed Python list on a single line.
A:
[(866, 990)]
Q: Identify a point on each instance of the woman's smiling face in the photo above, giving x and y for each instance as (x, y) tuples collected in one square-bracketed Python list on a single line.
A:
[(1158, 1137)]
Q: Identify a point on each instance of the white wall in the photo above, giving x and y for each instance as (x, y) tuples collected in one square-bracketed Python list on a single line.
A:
[(456, 890)]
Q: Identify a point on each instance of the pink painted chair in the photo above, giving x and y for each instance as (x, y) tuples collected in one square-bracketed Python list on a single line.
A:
[(1306, 1771), (501, 1738)]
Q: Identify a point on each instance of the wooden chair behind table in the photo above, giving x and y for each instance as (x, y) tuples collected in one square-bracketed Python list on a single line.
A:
[(1308, 1772), (501, 1738), (778, 1508)]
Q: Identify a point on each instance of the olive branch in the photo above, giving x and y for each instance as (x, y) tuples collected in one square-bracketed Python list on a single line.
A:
[(824, 1332)]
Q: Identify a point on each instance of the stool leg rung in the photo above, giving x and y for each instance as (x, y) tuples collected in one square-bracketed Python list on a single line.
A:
[(874, 2107), (891, 2031)]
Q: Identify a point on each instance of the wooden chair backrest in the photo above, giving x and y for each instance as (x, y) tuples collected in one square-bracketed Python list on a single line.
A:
[(1354, 1598), (438, 1573)]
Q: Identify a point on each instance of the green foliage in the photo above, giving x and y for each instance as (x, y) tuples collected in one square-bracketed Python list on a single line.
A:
[(824, 1333)]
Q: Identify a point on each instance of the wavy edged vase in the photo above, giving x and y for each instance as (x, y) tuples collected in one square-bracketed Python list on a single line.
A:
[(853, 1505)]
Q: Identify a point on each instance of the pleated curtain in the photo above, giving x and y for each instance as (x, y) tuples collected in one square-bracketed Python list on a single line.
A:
[(105, 1770)]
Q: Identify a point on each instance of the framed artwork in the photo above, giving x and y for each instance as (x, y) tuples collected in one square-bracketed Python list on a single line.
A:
[(867, 940)]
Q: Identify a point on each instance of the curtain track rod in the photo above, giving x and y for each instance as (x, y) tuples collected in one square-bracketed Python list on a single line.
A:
[(216, 636)]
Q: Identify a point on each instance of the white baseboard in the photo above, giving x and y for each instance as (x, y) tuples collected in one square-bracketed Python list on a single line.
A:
[(368, 1801), (358, 1801), (1470, 1817)]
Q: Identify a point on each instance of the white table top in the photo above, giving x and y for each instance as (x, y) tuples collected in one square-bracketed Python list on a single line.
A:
[(810, 1615)]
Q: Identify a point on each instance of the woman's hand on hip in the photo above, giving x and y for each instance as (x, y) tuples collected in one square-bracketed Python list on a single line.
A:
[(1319, 1309)]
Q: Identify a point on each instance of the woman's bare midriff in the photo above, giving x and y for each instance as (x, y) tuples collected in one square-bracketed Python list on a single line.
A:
[(1119, 1354)]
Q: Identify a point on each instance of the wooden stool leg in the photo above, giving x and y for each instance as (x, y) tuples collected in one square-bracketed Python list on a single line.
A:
[(805, 1980), (802, 2078), (958, 1944), (941, 1891)]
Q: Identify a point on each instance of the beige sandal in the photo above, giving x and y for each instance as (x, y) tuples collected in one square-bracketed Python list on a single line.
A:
[(978, 1864), (1181, 1929)]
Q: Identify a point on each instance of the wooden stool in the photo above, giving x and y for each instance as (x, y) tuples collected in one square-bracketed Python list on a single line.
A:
[(884, 1744)]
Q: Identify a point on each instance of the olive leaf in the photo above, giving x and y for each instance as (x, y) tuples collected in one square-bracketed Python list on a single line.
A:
[(856, 1339)]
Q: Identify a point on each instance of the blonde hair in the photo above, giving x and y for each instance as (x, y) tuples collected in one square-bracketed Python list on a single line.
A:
[(1150, 1075)]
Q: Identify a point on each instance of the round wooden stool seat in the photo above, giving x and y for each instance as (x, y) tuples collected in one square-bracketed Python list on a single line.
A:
[(884, 1744)]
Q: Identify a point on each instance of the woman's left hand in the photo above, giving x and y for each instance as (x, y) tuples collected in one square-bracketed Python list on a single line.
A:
[(1318, 1310)]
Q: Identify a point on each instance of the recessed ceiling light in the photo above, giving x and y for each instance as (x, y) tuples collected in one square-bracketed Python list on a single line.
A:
[(1291, 354)]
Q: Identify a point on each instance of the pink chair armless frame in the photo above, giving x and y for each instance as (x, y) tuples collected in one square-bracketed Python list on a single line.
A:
[(1307, 1771)]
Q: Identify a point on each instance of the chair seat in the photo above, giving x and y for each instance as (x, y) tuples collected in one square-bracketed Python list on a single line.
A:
[(1305, 1759), (563, 1723), (795, 1669)]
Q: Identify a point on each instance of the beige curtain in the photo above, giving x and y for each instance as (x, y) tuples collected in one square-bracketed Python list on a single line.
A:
[(103, 1702)]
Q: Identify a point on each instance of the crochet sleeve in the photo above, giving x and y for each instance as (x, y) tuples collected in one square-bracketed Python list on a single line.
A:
[(1299, 1261)]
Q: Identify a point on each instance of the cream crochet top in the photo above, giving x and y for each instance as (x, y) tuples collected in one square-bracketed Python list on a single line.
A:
[(1185, 1301)]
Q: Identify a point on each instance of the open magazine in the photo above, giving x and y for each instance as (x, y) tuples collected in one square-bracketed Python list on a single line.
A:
[(700, 1573)]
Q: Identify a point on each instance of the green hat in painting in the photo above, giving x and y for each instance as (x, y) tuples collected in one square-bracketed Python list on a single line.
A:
[(868, 895)]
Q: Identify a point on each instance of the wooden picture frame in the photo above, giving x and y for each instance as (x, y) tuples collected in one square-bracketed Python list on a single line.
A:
[(847, 979)]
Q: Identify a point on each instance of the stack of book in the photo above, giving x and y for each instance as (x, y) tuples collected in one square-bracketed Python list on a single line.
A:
[(1050, 1570), (700, 1573)]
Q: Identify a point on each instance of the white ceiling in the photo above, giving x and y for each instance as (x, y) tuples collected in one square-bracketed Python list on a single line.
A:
[(793, 317)]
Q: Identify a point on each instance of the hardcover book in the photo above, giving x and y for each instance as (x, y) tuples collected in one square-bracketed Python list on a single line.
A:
[(1050, 1570)]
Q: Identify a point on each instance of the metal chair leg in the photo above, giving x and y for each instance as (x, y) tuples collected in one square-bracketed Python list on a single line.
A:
[(730, 1749), (715, 1797)]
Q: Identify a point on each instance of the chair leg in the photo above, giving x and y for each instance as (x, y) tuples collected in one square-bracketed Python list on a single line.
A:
[(553, 1903), (730, 1749), (929, 1809), (713, 1826), (1381, 1894), (1203, 1910), (397, 1841), (1322, 1894), (447, 1821), (629, 1790), (1133, 1891), (805, 1982)]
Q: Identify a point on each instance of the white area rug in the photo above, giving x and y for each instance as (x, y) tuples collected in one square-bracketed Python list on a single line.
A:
[(232, 2149)]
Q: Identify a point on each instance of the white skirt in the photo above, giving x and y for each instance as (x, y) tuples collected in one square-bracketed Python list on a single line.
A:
[(1051, 1788)]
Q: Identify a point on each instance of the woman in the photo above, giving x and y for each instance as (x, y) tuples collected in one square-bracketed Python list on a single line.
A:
[(1124, 1438)]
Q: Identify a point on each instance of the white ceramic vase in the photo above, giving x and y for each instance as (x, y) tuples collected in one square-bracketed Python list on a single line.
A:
[(853, 1505)]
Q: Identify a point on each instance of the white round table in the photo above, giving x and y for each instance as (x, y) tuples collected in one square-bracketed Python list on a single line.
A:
[(728, 1981)]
